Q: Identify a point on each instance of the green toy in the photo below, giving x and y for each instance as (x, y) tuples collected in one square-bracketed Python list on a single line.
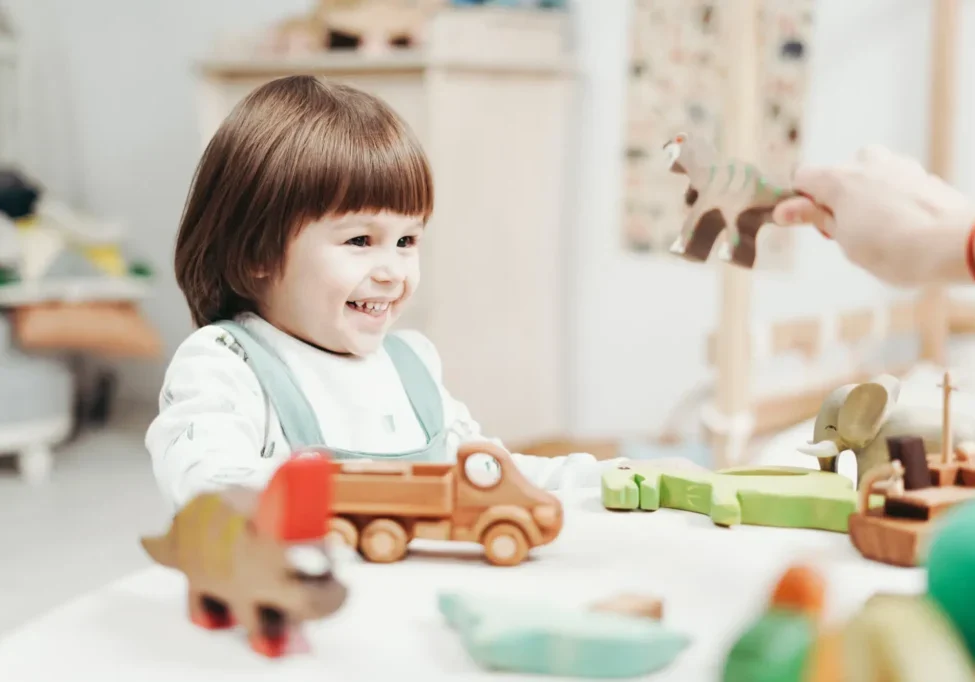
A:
[(789, 497), (539, 638), (774, 649), (951, 570)]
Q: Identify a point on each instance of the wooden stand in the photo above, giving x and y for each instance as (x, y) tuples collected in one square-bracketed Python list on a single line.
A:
[(740, 135)]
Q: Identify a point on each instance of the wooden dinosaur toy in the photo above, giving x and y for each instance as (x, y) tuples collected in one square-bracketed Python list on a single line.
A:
[(731, 195), (259, 558)]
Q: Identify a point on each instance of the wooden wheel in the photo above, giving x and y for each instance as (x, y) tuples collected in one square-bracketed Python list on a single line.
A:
[(383, 541), (505, 544), (344, 531)]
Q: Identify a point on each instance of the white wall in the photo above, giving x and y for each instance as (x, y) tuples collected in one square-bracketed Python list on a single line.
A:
[(639, 322), (113, 127)]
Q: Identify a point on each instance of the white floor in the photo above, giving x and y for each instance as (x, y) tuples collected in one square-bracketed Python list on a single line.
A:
[(81, 529)]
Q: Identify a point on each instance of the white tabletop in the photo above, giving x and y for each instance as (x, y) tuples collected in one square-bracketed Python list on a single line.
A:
[(713, 581)]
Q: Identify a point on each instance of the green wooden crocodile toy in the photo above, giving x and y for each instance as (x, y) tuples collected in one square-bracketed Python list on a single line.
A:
[(790, 497)]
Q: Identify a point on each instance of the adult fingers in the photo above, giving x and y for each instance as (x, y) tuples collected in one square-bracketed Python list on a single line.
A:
[(802, 211), (795, 211), (892, 165), (874, 154), (822, 183)]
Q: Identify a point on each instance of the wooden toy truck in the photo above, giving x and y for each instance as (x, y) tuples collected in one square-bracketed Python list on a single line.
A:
[(380, 506)]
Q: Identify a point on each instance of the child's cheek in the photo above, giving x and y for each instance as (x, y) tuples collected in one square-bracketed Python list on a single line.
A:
[(413, 275), (339, 273)]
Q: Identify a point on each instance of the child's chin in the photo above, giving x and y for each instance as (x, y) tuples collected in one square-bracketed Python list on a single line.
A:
[(364, 344)]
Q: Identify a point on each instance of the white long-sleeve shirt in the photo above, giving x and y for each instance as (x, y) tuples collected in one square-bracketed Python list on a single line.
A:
[(217, 427)]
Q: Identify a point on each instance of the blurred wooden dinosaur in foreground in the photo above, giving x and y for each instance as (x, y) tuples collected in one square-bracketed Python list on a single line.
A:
[(731, 195), (259, 558)]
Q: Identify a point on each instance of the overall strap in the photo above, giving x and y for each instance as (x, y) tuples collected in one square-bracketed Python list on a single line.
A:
[(298, 420), (421, 389)]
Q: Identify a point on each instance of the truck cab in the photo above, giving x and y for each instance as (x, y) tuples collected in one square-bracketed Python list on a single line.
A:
[(381, 506)]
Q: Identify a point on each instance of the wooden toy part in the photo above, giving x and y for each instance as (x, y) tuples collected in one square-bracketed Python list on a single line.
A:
[(886, 478), (297, 503), (790, 497), (380, 507), (510, 634), (893, 637), (947, 450), (899, 532), (801, 589), (722, 196), (257, 558), (640, 606), (774, 649), (383, 25), (951, 565), (903, 638), (826, 658), (107, 329), (909, 452)]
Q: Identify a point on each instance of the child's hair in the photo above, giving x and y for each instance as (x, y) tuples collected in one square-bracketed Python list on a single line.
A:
[(293, 151)]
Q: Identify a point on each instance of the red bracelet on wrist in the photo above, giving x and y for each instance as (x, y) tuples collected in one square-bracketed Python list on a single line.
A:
[(970, 251)]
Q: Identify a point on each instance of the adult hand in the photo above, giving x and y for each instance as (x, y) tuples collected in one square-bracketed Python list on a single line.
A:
[(889, 215)]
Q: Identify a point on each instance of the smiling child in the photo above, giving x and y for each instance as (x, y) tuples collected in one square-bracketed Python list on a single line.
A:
[(296, 253)]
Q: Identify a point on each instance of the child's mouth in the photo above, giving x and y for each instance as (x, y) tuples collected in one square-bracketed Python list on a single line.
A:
[(371, 308)]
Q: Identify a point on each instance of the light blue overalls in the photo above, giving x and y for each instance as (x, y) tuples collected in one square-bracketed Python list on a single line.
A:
[(299, 422)]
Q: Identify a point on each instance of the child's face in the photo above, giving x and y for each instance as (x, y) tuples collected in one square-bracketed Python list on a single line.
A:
[(346, 279)]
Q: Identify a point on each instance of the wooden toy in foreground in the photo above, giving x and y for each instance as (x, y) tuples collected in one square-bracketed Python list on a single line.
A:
[(918, 488), (257, 558), (723, 195), (380, 506), (896, 638), (862, 417), (789, 497), (517, 635)]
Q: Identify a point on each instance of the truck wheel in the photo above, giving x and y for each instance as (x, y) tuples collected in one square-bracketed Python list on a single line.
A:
[(505, 544), (345, 532), (383, 541)]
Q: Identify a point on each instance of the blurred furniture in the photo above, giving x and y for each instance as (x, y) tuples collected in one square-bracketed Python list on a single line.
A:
[(37, 399), (66, 294), (36, 393), (11, 90), (488, 95)]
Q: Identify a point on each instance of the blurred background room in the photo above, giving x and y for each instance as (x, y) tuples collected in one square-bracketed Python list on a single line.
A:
[(562, 320)]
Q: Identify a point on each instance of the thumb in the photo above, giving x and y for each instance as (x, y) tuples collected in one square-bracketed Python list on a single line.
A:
[(802, 211), (794, 211)]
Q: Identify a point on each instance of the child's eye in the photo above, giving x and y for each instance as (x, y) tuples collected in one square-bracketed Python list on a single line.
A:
[(406, 242), (359, 241)]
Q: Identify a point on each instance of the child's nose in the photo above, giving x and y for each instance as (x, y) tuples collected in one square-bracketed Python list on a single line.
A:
[(389, 271)]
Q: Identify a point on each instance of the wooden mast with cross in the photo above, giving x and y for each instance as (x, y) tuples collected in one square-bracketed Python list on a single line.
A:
[(947, 447)]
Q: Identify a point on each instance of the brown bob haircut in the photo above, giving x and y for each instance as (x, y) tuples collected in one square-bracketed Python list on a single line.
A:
[(293, 151)]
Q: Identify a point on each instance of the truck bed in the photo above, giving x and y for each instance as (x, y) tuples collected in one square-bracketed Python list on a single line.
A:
[(378, 488)]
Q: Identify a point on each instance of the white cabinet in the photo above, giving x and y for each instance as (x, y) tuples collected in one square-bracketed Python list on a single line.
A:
[(490, 97)]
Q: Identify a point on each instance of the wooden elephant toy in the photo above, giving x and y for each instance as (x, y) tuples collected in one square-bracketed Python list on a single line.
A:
[(861, 417)]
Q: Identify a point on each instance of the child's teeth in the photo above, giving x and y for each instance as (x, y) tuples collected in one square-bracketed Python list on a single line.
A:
[(371, 305)]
